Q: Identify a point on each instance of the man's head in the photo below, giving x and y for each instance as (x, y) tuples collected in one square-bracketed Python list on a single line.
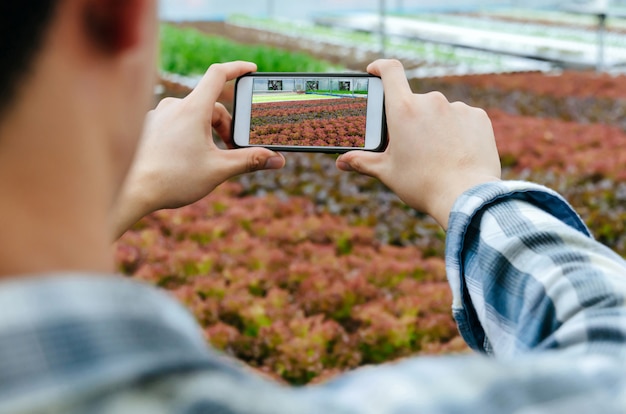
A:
[(75, 84), (101, 41), (24, 27)]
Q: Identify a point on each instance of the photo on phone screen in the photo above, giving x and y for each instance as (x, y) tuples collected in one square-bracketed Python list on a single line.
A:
[(313, 112), (309, 111)]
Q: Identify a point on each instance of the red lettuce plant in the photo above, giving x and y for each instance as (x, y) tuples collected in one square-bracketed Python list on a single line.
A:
[(289, 290)]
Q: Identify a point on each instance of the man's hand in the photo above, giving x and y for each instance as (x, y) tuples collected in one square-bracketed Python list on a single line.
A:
[(437, 150), (177, 162)]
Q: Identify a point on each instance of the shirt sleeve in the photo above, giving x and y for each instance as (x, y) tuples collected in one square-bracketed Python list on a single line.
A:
[(527, 275)]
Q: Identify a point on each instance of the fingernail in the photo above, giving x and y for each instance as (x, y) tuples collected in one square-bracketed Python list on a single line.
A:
[(273, 163), (344, 166)]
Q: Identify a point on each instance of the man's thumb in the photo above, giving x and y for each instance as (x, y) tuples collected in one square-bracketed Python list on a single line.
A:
[(363, 162), (246, 160)]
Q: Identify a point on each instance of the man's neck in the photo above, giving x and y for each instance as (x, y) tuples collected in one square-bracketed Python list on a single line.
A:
[(55, 188)]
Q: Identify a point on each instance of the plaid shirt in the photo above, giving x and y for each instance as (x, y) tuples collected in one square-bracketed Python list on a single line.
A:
[(530, 286)]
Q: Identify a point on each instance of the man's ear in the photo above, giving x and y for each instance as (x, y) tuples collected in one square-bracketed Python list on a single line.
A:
[(114, 25)]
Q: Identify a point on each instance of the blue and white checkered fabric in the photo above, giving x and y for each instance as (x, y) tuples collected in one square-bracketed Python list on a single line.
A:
[(530, 286)]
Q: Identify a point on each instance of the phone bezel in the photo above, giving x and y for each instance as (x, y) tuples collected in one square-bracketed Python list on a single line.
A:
[(375, 131)]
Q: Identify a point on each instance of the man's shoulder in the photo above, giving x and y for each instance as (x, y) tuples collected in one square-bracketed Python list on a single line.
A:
[(65, 339)]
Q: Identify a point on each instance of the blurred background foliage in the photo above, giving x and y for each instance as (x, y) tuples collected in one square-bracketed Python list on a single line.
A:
[(185, 51)]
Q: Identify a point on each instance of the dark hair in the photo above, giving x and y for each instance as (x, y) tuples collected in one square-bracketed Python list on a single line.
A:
[(23, 24)]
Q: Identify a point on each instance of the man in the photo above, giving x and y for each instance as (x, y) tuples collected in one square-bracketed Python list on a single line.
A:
[(529, 283)]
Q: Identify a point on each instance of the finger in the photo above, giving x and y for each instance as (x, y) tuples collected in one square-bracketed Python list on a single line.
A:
[(213, 81), (363, 162), (394, 78), (222, 122), (244, 160)]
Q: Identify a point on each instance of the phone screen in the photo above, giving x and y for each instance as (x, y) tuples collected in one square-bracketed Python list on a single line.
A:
[(326, 112), (315, 112)]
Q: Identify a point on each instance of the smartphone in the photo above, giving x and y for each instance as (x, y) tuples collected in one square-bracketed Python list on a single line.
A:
[(309, 112)]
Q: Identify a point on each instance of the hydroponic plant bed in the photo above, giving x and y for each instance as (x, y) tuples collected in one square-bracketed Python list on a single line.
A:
[(585, 97), (565, 84)]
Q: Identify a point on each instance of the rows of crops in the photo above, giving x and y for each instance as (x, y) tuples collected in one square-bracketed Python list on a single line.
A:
[(336, 122)]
